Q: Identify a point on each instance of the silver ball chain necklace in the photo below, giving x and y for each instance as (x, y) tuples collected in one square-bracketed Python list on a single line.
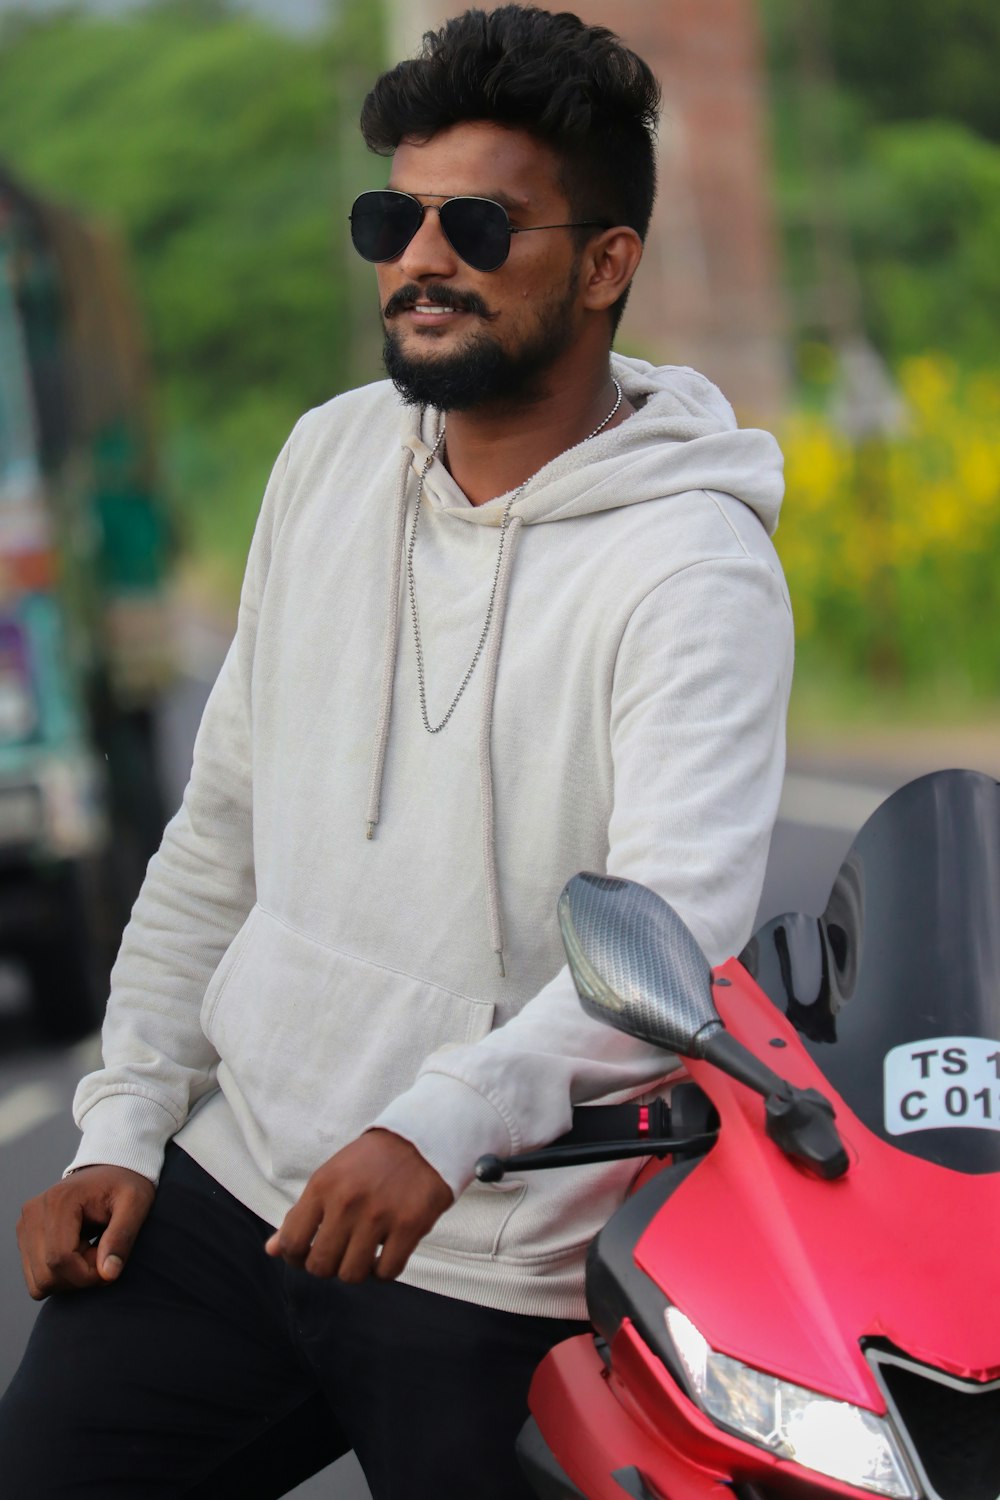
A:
[(412, 583)]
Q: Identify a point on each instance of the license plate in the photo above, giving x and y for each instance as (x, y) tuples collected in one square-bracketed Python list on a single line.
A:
[(943, 1083)]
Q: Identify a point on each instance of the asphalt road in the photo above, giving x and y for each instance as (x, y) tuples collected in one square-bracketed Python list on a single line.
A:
[(819, 818)]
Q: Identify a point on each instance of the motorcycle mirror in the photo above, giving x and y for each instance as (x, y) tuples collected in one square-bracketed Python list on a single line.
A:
[(636, 965)]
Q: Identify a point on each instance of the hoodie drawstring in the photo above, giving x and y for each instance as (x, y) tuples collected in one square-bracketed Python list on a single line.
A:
[(389, 648), (490, 663), (491, 658)]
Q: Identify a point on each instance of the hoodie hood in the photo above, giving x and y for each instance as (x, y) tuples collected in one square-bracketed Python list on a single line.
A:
[(683, 436)]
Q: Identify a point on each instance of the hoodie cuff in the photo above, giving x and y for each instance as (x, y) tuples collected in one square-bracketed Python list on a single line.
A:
[(450, 1124), (124, 1130)]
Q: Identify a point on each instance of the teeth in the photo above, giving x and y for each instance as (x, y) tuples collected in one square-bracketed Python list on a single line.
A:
[(436, 312)]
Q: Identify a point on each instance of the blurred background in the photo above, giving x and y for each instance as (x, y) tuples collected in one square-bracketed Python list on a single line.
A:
[(177, 286)]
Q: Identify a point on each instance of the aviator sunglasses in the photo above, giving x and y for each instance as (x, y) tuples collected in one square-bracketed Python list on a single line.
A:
[(478, 230)]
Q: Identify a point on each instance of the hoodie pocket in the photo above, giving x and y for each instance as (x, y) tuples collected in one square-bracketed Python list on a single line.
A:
[(477, 1222), (314, 1043), (227, 968)]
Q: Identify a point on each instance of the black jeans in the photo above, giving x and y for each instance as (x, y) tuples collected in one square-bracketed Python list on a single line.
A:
[(209, 1370)]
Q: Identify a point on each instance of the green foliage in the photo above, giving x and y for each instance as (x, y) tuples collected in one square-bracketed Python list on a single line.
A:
[(223, 150), (890, 546), (921, 59), (887, 135), (900, 59), (925, 207)]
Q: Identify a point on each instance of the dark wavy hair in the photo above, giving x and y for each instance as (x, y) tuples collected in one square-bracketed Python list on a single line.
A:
[(578, 88)]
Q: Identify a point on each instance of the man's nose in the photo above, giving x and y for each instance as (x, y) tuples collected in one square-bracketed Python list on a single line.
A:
[(428, 253)]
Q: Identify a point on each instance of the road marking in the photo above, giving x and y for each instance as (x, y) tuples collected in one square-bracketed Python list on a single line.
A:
[(819, 802), (27, 1107)]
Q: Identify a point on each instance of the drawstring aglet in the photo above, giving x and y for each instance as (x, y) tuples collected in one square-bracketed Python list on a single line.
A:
[(500, 968), (371, 831)]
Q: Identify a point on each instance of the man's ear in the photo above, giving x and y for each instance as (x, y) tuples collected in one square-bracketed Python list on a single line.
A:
[(609, 263)]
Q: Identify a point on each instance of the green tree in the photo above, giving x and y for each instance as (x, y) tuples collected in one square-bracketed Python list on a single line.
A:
[(925, 210), (887, 127), (224, 151), (921, 59)]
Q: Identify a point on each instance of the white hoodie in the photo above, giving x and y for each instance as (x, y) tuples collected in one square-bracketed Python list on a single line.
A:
[(286, 982)]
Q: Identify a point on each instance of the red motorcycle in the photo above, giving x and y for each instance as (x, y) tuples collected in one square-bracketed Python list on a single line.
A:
[(801, 1298)]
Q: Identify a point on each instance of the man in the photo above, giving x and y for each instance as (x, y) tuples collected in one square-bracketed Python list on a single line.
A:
[(515, 615)]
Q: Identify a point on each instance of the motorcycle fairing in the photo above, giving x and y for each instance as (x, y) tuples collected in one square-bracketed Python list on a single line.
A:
[(592, 1434), (594, 1424), (549, 1479), (906, 956), (791, 1274), (616, 1286), (959, 1425), (814, 1282)]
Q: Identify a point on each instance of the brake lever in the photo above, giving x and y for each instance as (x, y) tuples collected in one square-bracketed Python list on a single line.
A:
[(494, 1168)]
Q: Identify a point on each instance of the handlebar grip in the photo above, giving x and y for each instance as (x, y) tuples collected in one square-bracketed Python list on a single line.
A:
[(600, 1132), (593, 1123)]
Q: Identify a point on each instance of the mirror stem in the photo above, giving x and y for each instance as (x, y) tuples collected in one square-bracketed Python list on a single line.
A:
[(730, 1056), (799, 1121)]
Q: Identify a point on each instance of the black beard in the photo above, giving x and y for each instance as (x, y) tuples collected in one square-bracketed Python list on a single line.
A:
[(482, 373)]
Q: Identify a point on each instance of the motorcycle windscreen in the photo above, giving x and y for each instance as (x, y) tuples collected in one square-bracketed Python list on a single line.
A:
[(896, 987)]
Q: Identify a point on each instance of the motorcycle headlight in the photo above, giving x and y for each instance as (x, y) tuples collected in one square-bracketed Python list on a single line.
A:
[(831, 1437)]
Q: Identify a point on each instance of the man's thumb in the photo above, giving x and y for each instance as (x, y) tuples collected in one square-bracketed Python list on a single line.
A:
[(117, 1240), (109, 1263)]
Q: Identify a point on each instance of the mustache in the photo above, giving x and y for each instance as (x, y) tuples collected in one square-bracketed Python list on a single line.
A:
[(407, 297)]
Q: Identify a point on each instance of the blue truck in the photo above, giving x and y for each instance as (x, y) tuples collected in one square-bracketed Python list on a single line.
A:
[(84, 630)]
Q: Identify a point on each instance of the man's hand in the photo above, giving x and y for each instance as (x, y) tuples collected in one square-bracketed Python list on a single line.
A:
[(55, 1229), (378, 1191)]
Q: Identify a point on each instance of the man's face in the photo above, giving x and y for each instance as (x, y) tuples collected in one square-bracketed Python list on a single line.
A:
[(457, 338)]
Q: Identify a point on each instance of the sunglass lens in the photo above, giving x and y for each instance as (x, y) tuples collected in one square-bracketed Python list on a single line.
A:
[(478, 230), (383, 224)]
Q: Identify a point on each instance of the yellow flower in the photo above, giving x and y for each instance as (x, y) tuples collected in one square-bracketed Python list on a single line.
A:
[(858, 524)]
